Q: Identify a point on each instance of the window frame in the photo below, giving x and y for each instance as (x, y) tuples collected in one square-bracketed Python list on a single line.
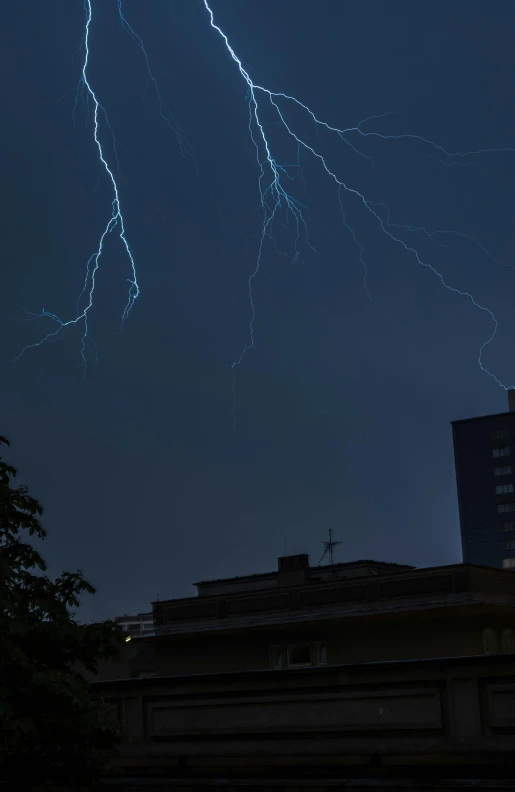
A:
[(289, 647), (317, 653), (280, 649), (321, 648)]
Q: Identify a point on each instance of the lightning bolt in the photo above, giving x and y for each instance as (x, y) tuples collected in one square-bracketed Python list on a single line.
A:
[(275, 198), (164, 110), (86, 92), (274, 182), (184, 144)]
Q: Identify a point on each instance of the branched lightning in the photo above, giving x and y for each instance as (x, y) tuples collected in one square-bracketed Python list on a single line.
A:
[(274, 185), (166, 114), (164, 110), (275, 197), (116, 220)]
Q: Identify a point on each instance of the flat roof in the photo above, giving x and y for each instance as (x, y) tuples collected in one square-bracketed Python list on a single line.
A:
[(340, 565), (484, 417)]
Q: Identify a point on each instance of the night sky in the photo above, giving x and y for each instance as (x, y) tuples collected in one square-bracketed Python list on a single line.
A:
[(343, 406)]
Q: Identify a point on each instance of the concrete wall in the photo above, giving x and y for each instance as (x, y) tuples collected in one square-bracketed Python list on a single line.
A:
[(448, 718), (414, 635), (348, 641)]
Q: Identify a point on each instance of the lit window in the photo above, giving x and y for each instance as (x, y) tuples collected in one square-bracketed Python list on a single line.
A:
[(502, 489), (499, 434), (507, 526), (508, 563), (505, 507), (509, 545), (299, 655), (508, 641), (276, 657), (501, 452), (502, 471)]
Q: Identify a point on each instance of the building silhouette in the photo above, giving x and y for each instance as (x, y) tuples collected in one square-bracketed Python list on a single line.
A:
[(343, 676), (484, 454)]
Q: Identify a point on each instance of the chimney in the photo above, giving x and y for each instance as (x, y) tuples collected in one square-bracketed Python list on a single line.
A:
[(511, 400), (293, 570)]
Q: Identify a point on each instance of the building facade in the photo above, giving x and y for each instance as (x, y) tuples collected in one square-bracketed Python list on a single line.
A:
[(484, 454), (354, 676), (303, 617), (433, 725)]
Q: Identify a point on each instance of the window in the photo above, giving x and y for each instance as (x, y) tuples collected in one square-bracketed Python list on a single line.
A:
[(508, 563), (146, 675), (502, 471), (508, 641), (321, 654), (276, 657), (505, 507), (507, 526), (498, 434), (299, 655), (490, 641), (509, 545), (501, 452), (502, 489)]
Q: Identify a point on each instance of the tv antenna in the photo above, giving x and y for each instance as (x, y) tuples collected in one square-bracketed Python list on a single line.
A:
[(329, 548)]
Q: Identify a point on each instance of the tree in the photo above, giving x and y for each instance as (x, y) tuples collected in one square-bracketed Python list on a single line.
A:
[(53, 736)]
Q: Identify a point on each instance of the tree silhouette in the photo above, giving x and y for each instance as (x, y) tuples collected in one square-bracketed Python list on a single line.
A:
[(53, 736)]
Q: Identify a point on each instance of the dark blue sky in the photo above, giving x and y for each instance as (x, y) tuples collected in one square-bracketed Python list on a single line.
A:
[(344, 404)]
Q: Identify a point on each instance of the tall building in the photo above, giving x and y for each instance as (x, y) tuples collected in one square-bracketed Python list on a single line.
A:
[(484, 455)]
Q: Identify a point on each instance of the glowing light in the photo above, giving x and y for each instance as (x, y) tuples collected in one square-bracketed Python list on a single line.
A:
[(274, 195)]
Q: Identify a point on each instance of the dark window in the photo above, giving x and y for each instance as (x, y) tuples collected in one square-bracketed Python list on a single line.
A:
[(299, 655), (500, 433), (276, 657), (501, 452), (505, 507), (509, 545), (508, 641), (490, 641), (507, 526)]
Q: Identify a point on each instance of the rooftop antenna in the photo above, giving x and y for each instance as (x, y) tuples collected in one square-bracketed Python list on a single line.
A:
[(329, 549)]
